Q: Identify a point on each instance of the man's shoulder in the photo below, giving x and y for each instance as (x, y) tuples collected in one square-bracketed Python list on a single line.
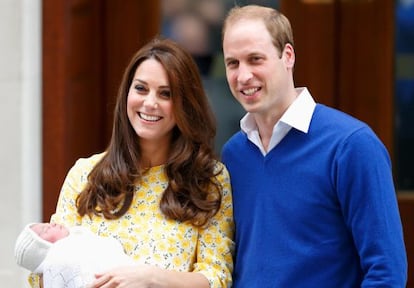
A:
[(335, 126), (235, 139), (329, 117)]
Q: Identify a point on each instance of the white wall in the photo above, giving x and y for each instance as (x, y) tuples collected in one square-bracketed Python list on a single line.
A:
[(20, 128)]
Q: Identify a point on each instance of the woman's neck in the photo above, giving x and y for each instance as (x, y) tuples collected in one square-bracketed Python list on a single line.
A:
[(154, 154)]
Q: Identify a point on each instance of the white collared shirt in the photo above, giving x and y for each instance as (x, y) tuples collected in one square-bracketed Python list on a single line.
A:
[(298, 116)]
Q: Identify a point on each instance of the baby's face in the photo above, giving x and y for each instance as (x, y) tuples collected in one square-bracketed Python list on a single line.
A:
[(50, 231)]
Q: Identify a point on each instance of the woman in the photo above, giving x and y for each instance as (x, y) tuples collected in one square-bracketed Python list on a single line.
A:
[(158, 187)]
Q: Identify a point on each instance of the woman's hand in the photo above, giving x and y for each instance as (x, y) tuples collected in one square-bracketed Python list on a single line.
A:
[(146, 276), (137, 276)]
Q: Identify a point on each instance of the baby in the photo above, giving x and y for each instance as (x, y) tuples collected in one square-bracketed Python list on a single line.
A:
[(67, 257)]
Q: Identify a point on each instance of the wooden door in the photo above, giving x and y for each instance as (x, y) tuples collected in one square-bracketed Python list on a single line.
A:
[(86, 46), (345, 56)]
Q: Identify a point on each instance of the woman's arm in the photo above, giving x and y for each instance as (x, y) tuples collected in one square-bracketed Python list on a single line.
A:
[(66, 212), (35, 280), (215, 245), (145, 276)]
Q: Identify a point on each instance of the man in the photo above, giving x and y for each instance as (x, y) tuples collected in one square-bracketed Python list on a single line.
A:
[(314, 201)]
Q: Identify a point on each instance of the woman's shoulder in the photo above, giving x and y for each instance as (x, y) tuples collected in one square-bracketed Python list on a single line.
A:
[(89, 161), (221, 170), (219, 166), (83, 166)]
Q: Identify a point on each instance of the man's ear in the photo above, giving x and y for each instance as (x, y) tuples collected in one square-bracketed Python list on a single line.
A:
[(289, 55)]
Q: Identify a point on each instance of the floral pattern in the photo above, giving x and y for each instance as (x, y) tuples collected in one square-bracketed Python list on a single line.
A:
[(148, 236)]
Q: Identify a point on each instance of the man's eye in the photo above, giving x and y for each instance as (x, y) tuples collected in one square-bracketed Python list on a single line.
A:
[(256, 59), (231, 63)]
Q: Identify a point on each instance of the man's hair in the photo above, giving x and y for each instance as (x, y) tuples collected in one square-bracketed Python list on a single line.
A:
[(276, 23)]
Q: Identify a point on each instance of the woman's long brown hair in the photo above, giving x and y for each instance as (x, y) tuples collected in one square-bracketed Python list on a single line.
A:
[(193, 193)]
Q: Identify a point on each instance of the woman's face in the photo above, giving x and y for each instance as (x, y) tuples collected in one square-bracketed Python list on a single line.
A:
[(50, 232), (149, 104)]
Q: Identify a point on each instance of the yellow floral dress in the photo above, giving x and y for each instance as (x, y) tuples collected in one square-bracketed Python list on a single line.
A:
[(148, 236)]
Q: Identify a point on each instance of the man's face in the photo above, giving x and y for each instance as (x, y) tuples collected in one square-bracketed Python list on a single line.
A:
[(257, 73)]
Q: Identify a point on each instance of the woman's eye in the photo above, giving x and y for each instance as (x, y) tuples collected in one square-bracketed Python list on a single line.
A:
[(139, 88), (166, 94)]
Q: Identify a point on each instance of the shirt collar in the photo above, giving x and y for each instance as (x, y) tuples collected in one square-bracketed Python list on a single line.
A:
[(298, 115)]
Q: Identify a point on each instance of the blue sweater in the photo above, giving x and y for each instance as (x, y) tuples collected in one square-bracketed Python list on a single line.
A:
[(319, 210)]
